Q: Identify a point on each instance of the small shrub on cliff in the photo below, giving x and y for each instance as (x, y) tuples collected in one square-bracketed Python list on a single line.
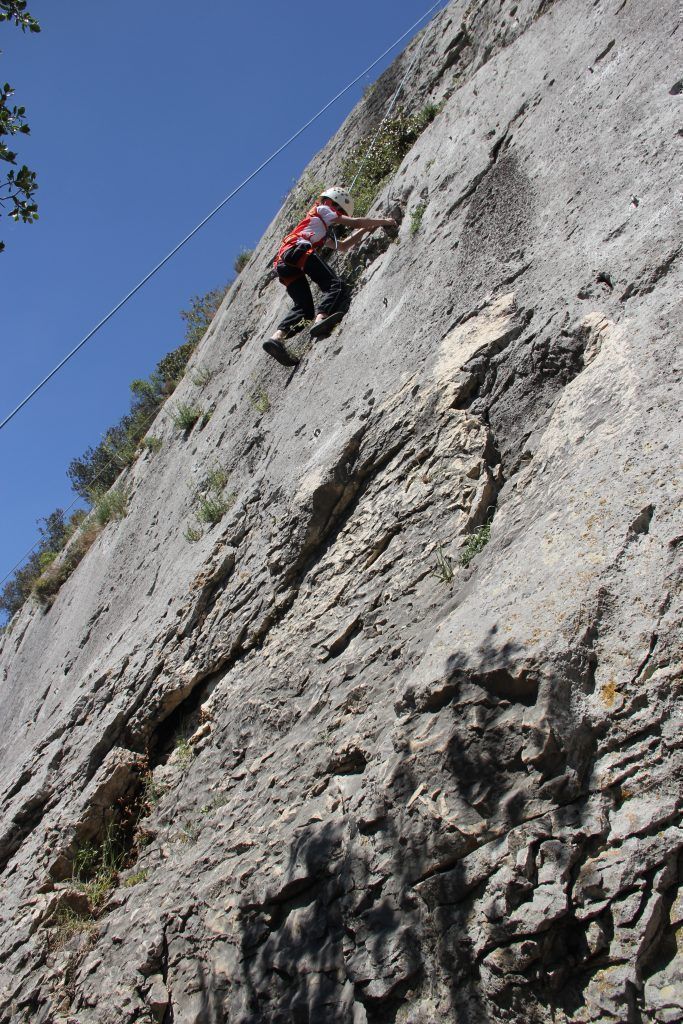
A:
[(416, 218), (47, 585), (65, 925), (216, 479), (198, 317), (375, 166), (212, 508), (189, 832), (152, 443), (184, 753), (185, 416), (476, 543), (111, 505), (210, 502), (136, 878), (152, 792), (201, 377), (242, 259), (96, 867)]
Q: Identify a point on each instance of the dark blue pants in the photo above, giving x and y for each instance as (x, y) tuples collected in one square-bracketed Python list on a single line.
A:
[(299, 291)]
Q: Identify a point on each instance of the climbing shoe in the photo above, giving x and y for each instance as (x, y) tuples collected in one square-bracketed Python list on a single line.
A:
[(319, 330), (278, 351)]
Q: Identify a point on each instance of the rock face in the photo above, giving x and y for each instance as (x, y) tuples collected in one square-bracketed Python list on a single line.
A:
[(364, 781)]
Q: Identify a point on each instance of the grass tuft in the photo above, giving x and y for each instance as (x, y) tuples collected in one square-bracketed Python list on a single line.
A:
[(216, 479), (416, 218), (152, 791), (135, 879), (242, 259), (375, 166), (260, 400), (66, 924), (185, 416), (444, 567), (189, 832), (113, 504), (96, 868), (210, 502), (211, 509), (476, 543), (152, 443), (201, 377), (184, 753)]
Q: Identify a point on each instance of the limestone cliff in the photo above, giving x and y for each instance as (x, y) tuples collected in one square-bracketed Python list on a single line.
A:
[(359, 779)]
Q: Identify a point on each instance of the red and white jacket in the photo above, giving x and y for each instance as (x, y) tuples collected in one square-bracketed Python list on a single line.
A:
[(314, 229)]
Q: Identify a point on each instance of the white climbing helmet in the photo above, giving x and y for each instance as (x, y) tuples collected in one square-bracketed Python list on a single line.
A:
[(339, 196)]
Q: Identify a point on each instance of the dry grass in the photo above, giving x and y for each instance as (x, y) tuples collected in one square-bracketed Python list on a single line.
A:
[(48, 583)]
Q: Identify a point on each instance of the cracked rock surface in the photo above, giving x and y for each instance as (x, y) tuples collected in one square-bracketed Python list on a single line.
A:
[(378, 776)]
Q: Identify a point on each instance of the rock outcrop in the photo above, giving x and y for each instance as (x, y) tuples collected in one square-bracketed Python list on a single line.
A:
[(364, 772)]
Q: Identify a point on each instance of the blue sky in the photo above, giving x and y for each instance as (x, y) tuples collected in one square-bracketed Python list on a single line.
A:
[(143, 116)]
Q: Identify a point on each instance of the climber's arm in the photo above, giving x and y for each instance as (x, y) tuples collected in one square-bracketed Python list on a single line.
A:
[(355, 239), (368, 223)]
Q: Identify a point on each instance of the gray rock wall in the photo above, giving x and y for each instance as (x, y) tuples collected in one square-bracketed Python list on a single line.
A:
[(363, 781)]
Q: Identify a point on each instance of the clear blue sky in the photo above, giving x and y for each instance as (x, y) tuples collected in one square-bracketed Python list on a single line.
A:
[(143, 116)]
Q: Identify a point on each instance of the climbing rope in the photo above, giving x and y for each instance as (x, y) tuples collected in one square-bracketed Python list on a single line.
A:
[(392, 104), (212, 214), (342, 264)]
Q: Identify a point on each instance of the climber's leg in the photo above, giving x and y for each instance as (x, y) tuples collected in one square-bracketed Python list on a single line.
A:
[(295, 320), (330, 284)]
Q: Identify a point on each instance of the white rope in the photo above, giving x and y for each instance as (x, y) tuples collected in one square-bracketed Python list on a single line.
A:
[(391, 106)]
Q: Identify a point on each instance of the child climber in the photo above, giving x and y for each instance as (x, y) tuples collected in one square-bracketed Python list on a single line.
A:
[(297, 258)]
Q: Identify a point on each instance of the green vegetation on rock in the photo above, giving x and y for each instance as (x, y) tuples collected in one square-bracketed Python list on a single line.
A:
[(475, 543), (185, 416), (242, 259), (416, 218), (51, 576), (99, 467), (374, 166), (110, 505), (93, 475), (211, 502)]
